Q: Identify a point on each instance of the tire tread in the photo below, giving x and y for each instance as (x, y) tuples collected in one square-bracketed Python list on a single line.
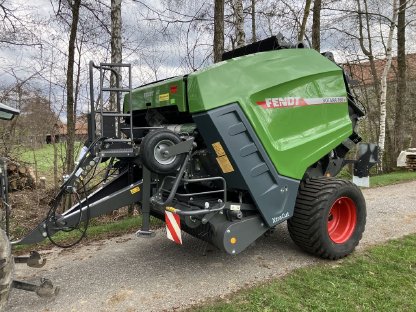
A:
[(304, 227)]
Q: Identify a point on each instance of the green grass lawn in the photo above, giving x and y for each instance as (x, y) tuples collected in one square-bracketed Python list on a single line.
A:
[(43, 157), (383, 278), (392, 178)]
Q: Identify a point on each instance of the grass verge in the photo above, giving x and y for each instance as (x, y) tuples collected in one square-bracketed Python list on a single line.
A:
[(43, 157), (383, 278), (392, 178)]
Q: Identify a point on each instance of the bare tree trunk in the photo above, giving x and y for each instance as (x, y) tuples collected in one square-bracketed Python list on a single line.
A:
[(218, 30), (77, 78), (75, 6), (35, 163), (55, 160), (316, 25), (399, 127), (383, 95), (240, 35), (53, 128), (306, 11), (253, 21), (368, 51), (116, 47)]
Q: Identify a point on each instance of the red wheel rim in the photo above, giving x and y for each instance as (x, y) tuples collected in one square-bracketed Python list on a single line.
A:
[(342, 219)]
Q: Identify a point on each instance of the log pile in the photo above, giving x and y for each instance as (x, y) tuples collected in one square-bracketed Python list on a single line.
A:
[(411, 161), (20, 176)]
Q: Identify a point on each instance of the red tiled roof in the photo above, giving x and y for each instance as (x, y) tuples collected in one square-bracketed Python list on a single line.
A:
[(361, 71), (81, 127)]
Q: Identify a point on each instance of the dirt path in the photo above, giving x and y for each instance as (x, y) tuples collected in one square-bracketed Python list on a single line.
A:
[(131, 274)]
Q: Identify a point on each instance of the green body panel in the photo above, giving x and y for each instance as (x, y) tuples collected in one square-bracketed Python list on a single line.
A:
[(294, 137), (164, 93)]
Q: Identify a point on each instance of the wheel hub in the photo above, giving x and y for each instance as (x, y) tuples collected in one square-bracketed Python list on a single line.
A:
[(161, 154), (342, 219)]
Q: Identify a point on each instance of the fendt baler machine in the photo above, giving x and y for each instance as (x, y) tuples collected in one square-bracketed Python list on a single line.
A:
[(225, 153)]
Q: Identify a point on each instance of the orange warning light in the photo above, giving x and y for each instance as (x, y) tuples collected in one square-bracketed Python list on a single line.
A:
[(233, 240)]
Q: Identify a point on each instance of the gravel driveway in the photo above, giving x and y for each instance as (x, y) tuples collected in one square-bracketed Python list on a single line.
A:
[(132, 274)]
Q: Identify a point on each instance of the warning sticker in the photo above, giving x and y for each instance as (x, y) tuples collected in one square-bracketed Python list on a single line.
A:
[(135, 190), (164, 97), (225, 164), (218, 149), (173, 227)]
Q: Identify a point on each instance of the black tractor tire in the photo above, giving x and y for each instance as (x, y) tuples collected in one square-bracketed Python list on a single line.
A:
[(151, 151), (6, 269), (329, 217)]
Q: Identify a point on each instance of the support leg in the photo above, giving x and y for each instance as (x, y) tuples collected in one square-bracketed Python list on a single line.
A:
[(145, 230), (131, 180)]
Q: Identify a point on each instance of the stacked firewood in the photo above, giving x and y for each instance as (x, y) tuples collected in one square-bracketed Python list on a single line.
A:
[(411, 161), (20, 176)]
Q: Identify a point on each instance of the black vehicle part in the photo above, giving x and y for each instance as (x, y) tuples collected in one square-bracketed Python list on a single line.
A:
[(367, 158), (230, 236), (329, 217), (233, 237), (173, 192), (154, 151), (273, 43), (6, 269)]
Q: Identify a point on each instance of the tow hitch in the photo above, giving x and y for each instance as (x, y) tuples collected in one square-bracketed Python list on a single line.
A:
[(45, 290), (34, 260)]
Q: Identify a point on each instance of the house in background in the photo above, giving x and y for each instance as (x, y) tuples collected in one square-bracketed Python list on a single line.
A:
[(362, 79), (61, 131)]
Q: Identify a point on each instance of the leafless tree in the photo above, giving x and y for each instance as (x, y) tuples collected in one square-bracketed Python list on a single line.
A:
[(218, 30), (15, 25), (253, 21), (116, 47), (316, 25), (383, 95), (399, 126), (306, 11), (240, 35), (75, 8)]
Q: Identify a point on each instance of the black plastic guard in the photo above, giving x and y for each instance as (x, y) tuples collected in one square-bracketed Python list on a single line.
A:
[(251, 168), (367, 158)]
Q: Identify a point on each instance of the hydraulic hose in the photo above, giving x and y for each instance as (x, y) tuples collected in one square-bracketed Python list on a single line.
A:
[(175, 185)]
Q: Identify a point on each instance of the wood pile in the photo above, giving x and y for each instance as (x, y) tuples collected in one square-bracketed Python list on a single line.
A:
[(411, 161), (21, 177)]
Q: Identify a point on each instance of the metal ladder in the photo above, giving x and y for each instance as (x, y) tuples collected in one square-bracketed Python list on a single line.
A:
[(117, 143)]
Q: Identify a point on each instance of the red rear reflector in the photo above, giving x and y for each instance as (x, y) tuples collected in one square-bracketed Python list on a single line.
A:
[(173, 89)]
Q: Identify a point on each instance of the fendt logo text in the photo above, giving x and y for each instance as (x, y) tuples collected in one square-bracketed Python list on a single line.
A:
[(298, 101)]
